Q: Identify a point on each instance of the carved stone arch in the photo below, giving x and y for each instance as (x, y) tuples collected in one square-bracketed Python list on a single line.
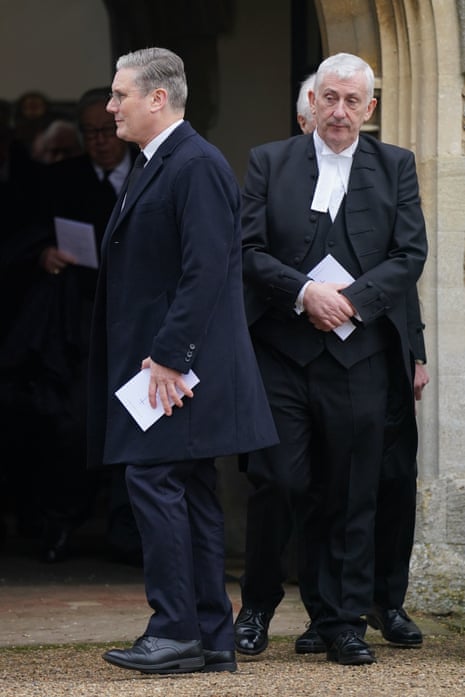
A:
[(350, 26)]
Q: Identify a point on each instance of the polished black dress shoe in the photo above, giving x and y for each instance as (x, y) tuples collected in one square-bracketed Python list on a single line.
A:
[(156, 655), (396, 626), (216, 661), (310, 642), (349, 649), (251, 631)]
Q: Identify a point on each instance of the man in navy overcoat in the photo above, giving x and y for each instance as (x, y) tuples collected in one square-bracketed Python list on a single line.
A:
[(170, 299)]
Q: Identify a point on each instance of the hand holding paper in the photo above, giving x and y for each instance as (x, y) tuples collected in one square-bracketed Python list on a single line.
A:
[(332, 306), (78, 240), (134, 395), (166, 386), (326, 308)]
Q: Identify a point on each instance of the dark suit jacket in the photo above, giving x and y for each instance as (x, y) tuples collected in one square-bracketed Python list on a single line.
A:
[(383, 219), (170, 287)]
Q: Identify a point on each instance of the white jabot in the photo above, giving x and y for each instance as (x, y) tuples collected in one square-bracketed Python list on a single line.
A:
[(333, 178)]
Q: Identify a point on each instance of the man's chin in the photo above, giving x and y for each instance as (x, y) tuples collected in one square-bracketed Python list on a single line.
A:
[(121, 133)]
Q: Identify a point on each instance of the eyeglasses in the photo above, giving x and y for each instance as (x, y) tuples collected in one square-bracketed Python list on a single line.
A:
[(90, 133), (119, 97)]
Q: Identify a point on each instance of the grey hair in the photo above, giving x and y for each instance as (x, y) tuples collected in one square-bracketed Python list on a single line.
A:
[(345, 66), (303, 104), (158, 67)]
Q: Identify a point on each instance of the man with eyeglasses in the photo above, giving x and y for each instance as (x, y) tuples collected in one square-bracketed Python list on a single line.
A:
[(85, 188), (59, 308), (170, 300)]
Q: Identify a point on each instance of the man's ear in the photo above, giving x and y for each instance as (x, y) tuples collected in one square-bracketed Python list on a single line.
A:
[(370, 109), (158, 98), (311, 99)]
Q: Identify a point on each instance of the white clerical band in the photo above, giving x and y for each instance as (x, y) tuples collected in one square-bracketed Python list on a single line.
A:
[(330, 188)]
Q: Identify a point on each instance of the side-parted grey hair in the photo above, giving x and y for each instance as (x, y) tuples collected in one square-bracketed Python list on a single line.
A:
[(345, 66), (158, 67)]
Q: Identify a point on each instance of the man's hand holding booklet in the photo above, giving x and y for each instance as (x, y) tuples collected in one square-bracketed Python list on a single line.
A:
[(134, 396), (329, 270)]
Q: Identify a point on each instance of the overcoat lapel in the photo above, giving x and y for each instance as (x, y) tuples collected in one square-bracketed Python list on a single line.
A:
[(150, 171)]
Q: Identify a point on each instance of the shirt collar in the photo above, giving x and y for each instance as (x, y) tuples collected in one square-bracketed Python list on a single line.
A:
[(322, 149), (150, 149)]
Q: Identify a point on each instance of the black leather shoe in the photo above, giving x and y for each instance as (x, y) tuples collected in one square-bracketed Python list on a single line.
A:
[(349, 649), (251, 631), (216, 661), (155, 655), (396, 626), (310, 642)]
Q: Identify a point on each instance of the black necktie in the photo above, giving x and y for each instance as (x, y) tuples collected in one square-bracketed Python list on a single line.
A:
[(136, 170)]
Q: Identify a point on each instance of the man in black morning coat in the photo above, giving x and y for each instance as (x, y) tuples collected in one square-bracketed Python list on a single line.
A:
[(342, 193)]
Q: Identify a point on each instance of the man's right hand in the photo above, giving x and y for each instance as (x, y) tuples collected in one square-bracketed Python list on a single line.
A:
[(325, 307), (54, 261)]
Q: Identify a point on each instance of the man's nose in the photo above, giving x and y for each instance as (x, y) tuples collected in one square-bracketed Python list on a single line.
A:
[(340, 109)]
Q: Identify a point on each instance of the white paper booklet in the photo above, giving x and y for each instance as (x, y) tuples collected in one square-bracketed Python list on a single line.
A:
[(134, 395), (329, 270), (77, 239)]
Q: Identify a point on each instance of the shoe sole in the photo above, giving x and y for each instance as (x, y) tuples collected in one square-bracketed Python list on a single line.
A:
[(219, 667), (184, 665), (356, 661), (416, 643), (404, 644), (313, 649)]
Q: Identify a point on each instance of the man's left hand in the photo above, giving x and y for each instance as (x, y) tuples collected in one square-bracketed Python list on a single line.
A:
[(163, 384), (420, 380)]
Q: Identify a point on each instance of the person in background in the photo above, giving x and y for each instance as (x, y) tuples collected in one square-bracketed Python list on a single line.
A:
[(32, 113), (270, 524), (329, 396), (60, 140), (51, 335), (305, 118), (85, 189)]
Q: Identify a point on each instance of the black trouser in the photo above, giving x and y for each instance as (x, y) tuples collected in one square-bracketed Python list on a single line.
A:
[(181, 527), (270, 522), (327, 466)]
